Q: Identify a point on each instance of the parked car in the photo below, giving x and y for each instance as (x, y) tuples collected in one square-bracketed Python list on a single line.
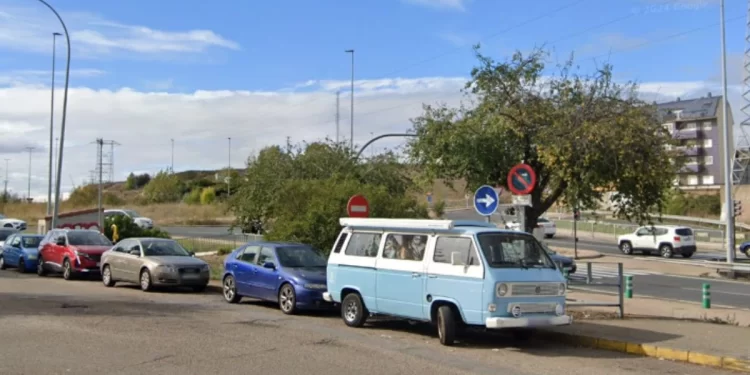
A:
[(5, 233), (567, 263), (291, 274), (152, 262), (17, 224), (72, 252), (139, 220), (745, 248), (550, 229), (20, 251), (666, 240)]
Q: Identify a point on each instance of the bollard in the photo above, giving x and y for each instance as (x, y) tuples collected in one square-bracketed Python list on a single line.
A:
[(628, 286), (706, 296), (566, 275)]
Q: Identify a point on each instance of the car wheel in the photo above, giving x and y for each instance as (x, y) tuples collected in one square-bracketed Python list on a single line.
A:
[(288, 299), (626, 248), (146, 284), (2, 263), (446, 325), (107, 277), (665, 251), (687, 255), (67, 270), (21, 265), (353, 310), (229, 289), (40, 271)]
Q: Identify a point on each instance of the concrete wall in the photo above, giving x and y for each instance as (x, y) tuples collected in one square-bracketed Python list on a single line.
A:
[(84, 219)]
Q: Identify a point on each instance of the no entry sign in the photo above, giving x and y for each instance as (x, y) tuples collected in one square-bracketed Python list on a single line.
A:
[(358, 206), (521, 179)]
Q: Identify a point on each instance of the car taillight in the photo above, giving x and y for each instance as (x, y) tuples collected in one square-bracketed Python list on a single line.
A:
[(676, 239)]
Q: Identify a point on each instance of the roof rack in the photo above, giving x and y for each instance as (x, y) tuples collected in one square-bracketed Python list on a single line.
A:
[(396, 223)]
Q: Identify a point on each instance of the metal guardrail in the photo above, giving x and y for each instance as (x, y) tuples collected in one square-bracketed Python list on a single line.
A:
[(572, 284)]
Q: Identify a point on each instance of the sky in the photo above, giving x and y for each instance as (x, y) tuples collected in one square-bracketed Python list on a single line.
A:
[(144, 73)]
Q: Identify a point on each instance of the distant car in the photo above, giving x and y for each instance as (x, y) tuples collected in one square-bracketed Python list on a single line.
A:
[(72, 252), (139, 220), (567, 263), (5, 233), (20, 251), (153, 262), (550, 229), (666, 240), (291, 274), (745, 248), (17, 224)]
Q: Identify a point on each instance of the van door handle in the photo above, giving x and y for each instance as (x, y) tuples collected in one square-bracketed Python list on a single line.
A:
[(432, 276)]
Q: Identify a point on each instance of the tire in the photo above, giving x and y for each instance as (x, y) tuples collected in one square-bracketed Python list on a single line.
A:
[(446, 325), (21, 266), (288, 299), (67, 270), (145, 281), (107, 277), (665, 251), (687, 255), (626, 248), (229, 290), (40, 271), (2, 263), (353, 310)]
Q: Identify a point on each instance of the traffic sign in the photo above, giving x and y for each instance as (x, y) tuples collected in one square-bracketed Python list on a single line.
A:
[(486, 200), (522, 200), (358, 206), (521, 179)]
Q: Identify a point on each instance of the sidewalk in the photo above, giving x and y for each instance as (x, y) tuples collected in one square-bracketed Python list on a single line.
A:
[(662, 329)]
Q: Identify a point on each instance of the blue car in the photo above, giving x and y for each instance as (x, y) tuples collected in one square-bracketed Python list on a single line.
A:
[(291, 274), (20, 251), (745, 248)]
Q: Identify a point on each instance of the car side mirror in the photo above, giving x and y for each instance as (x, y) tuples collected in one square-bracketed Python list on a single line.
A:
[(135, 252), (60, 242), (269, 265), (192, 254)]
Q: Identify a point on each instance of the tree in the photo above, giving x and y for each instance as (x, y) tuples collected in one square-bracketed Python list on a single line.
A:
[(582, 134), (208, 195), (130, 182), (163, 188), (88, 195)]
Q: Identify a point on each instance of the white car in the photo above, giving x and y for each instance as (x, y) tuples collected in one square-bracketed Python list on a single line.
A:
[(666, 240), (17, 224), (139, 220), (550, 229)]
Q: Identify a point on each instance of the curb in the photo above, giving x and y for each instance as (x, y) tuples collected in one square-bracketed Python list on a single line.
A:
[(653, 351)]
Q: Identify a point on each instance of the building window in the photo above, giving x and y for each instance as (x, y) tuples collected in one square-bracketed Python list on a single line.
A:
[(690, 126), (691, 161), (707, 125), (708, 160), (708, 143), (669, 126), (708, 180), (692, 180)]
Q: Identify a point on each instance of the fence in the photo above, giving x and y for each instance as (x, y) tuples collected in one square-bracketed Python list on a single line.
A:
[(575, 284), (216, 243)]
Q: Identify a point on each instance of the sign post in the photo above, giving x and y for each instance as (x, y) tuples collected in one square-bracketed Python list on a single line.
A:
[(521, 182), (486, 201), (358, 206)]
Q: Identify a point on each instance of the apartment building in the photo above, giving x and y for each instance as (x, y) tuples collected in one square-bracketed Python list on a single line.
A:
[(696, 124)]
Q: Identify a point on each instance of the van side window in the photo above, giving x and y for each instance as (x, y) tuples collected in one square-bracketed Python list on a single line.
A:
[(463, 245), (363, 245), (340, 243), (405, 246)]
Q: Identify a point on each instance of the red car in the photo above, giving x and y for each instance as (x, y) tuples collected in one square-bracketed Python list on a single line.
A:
[(72, 252)]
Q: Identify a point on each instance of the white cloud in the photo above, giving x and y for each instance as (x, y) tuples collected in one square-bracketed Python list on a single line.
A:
[(40, 77), (441, 4), (26, 28)]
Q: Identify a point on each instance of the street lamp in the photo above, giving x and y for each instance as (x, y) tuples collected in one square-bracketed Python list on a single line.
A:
[(351, 117), (229, 166), (51, 127), (64, 114)]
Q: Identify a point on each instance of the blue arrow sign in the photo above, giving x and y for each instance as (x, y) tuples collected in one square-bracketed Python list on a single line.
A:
[(486, 200)]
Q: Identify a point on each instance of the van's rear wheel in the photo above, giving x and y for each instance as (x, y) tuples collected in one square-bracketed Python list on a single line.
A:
[(353, 310), (446, 325)]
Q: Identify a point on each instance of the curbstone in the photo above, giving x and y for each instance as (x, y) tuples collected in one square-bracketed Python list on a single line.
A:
[(645, 350)]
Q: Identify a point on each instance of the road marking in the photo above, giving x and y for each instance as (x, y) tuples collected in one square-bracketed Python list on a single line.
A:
[(718, 291)]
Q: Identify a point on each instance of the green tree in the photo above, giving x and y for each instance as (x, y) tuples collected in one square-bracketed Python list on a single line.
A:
[(130, 182), (208, 196), (141, 180), (193, 197), (582, 134), (163, 188)]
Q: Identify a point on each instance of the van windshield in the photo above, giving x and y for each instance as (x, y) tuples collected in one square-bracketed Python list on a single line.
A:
[(513, 250)]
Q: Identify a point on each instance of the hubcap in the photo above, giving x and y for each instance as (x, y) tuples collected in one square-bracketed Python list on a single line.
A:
[(106, 276), (287, 299), (229, 288), (351, 311), (440, 326), (39, 266), (66, 269), (2, 261), (626, 248), (145, 281)]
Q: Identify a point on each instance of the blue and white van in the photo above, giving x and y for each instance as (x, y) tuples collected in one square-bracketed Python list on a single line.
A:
[(450, 273)]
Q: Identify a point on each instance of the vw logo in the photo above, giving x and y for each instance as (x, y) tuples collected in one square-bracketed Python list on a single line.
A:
[(538, 290)]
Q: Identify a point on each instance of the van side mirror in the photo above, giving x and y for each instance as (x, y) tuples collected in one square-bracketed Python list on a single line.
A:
[(456, 259)]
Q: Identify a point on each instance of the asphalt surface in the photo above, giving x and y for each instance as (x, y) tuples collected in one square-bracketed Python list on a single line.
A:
[(50, 326)]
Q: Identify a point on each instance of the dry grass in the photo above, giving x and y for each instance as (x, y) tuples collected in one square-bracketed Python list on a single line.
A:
[(162, 214)]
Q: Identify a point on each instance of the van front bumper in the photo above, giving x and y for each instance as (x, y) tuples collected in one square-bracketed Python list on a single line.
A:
[(530, 322)]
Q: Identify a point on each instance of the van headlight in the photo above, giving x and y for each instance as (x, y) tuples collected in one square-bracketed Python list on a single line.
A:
[(559, 310), (561, 289), (501, 289)]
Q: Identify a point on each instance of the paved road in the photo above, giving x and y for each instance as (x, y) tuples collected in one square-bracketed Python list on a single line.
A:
[(83, 328)]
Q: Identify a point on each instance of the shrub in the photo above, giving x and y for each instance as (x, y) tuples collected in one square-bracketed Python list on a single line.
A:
[(194, 197), (208, 196), (126, 228), (439, 208), (163, 188), (88, 195)]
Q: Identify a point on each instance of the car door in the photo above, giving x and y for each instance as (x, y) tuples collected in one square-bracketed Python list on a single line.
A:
[(10, 256), (132, 261), (244, 270), (57, 251), (644, 238), (266, 279), (116, 260), (15, 249)]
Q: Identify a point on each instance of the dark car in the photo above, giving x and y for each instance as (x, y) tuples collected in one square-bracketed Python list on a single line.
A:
[(567, 263), (745, 248), (291, 274)]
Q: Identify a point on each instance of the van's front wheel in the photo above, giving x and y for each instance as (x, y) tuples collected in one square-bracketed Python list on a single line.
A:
[(353, 310), (446, 325)]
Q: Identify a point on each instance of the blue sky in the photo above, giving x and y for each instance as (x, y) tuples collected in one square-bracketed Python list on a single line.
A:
[(144, 72)]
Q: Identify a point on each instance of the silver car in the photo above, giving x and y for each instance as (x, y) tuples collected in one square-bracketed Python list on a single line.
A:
[(153, 262)]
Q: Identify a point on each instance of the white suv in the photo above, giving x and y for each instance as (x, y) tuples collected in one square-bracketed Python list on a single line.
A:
[(667, 240)]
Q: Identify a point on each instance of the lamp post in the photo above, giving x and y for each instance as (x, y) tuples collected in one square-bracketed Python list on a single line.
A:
[(351, 116), (51, 127), (229, 166), (728, 147)]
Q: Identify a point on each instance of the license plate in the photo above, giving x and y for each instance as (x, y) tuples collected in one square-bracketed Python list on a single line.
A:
[(190, 276)]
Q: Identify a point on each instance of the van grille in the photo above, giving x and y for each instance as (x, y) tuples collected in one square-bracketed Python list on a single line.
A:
[(545, 289), (534, 308)]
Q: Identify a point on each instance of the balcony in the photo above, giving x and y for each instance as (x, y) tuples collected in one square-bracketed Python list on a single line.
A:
[(686, 134)]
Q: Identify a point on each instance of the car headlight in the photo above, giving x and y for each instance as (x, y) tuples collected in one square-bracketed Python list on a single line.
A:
[(561, 289), (316, 286), (206, 267), (501, 289), (168, 269)]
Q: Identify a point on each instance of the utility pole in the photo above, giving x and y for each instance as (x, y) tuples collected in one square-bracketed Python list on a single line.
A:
[(28, 191), (100, 158), (338, 115), (728, 146), (51, 127), (229, 167), (351, 123), (172, 165), (5, 190)]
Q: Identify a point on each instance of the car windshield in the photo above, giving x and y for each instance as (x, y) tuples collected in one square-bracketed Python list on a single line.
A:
[(155, 248), (300, 256), (31, 242), (132, 213), (87, 238), (513, 250), (4, 233)]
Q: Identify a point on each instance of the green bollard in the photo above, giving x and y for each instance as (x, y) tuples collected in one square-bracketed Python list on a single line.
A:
[(628, 286), (706, 296), (566, 275)]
